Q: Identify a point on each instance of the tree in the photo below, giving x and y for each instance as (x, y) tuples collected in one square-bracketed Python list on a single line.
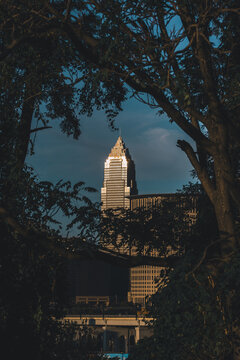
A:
[(34, 289), (182, 56), (34, 92), (179, 57), (193, 317)]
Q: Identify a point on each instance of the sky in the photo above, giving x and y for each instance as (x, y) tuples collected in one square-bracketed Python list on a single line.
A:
[(161, 167)]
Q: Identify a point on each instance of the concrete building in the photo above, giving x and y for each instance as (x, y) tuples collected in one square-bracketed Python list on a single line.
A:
[(145, 279), (119, 178)]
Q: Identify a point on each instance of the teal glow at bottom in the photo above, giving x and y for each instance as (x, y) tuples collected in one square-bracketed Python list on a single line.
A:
[(119, 355)]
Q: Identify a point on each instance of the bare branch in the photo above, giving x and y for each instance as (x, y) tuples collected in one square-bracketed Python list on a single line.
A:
[(181, 121), (201, 171), (203, 257), (40, 128)]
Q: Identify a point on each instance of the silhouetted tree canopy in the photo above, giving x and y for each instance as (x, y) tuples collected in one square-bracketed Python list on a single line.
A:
[(178, 57), (60, 60)]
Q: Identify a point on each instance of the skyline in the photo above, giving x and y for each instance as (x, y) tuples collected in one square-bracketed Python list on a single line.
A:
[(161, 167)]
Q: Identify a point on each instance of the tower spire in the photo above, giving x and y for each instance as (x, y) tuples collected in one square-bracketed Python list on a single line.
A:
[(119, 149)]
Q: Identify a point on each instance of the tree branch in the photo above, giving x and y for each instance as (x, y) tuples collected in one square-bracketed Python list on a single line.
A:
[(203, 257), (40, 128), (181, 121), (201, 171), (203, 52), (88, 252)]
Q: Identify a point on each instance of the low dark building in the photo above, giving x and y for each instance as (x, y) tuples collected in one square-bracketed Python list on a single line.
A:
[(97, 279)]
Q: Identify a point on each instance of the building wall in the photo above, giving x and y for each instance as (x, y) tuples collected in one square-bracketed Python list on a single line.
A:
[(115, 333), (145, 280), (96, 278), (119, 178)]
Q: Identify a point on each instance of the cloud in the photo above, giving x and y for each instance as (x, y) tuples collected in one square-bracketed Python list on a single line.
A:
[(160, 165), (159, 157)]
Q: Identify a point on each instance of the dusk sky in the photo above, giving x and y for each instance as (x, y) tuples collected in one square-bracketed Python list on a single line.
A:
[(160, 166)]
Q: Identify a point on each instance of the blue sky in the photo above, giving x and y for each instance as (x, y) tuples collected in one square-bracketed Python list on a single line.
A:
[(160, 166)]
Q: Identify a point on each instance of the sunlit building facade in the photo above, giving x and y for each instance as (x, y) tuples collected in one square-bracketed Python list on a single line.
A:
[(119, 178), (146, 279)]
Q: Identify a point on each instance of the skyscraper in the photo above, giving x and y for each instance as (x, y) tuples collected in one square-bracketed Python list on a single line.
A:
[(119, 178)]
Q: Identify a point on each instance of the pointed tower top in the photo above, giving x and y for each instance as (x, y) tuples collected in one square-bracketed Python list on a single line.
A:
[(119, 148)]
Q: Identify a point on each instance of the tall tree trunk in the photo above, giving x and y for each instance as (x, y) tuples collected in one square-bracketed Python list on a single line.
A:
[(224, 211), (225, 220), (226, 224), (223, 203), (228, 246)]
